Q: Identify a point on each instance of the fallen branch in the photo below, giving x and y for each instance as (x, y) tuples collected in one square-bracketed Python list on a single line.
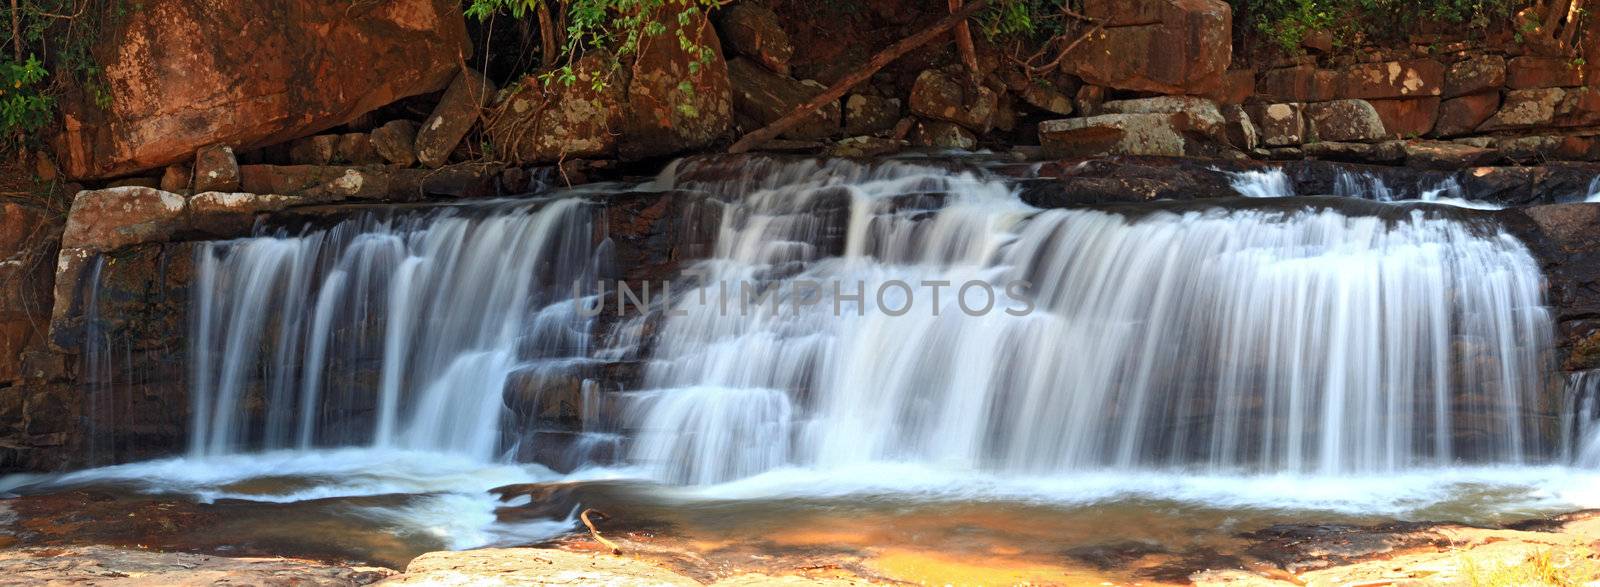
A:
[(596, 532), (862, 74), (963, 34)]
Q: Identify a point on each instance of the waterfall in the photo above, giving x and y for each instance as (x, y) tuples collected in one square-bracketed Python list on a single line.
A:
[(1594, 190), (1223, 339), (1270, 183), (395, 331), (1581, 422)]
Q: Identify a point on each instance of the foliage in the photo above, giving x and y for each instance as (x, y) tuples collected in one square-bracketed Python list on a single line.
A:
[(46, 49), (1026, 19), (1287, 22), (621, 26)]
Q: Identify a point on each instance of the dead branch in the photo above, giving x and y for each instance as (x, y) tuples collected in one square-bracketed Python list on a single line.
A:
[(963, 35), (596, 532), (854, 78)]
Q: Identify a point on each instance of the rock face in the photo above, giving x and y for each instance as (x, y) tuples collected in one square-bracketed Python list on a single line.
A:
[(676, 101), (1475, 75), (132, 568), (1525, 109), (1394, 79), (1529, 72), (112, 218), (753, 31), (543, 122), (1344, 120), (1113, 134), (216, 169), (395, 141), (183, 74), (1461, 116), (760, 97), (26, 245), (865, 114), (455, 114), (1165, 46)]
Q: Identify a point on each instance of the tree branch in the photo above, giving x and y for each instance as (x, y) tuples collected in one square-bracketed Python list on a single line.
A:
[(854, 78)]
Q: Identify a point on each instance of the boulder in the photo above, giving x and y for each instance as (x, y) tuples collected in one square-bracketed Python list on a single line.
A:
[(1241, 131), (1462, 115), (1529, 72), (1113, 134), (215, 168), (1530, 148), (1164, 46), (1525, 109), (112, 218), (677, 99), (1280, 125), (1201, 115), (753, 31), (318, 150), (542, 122), (942, 135), (177, 177), (356, 148), (184, 74), (395, 140), (943, 95), (1393, 79), (1386, 152), (866, 115), (1344, 121), (1478, 74), (453, 117), (761, 97), (1447, 155), (1407, 117)]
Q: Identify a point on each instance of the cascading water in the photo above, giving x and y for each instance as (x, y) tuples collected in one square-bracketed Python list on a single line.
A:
[(1298, 340), (393, 332)]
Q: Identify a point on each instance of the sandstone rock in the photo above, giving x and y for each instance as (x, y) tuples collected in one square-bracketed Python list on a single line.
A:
[(135, 182), (1530, 148), (215, 168), (1344, 120), (866, 146), (676, 102), (1525, 109), (1280, 125), (1462, 115), (315, 150), (1201, 115), (1241, 131), (1300, 83), (1046, 97), (26, 249), (1386, 152), (453, 117), (1393, 79), (1165, 46), (541, 123), (112, 218), (1579, 148), (865, 115), (1529, 72), (1238, 85), (943, 135), (753, 31), (1089, 99), (1113, 134), (1471, 76), (1579, 107), (762, 97), (1407, 117), (232, 214), (177, 177), (941, 95), (184, 75), (356, 148), (395, 140), (1447, 155), (134, 567)]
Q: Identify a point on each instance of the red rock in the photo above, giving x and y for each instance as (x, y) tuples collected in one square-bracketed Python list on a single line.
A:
[(1089, 99), (941, 95), (216, 170), (1344, 121), (183, 74), (753, 31), (177, 177), (1279, 125), (1238, 85), (395, 141), (1470, 76), (356, 148), (1165, 46), (1526, 109), (1525, 73), (457, 112), (1393, 79), (1447, 155), (1579, 148), (1461, 116), (1301, 83), (660, 117), (1407, 117), (112, 218)]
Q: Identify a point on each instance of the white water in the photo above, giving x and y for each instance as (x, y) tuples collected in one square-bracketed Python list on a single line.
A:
[(1274, 183), (1268, 183), (1219, 341), (1594, 190)]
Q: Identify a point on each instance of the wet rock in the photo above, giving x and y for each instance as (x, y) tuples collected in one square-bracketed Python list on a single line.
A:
[(1447, 155), (1344, 120), (1475, 75), (942, 135), (762, 97), (215, 168), (1530, 72), (1296, 547), (455, 114), (177, 177), (1281, 125), (1113, 134), (1504, 185), (185, 75), (1393, 79), (943, 95), (1164, 46), (865, 115), (395, 141), (676, 101), (1463, 115), (1386, 152), (546, 122), (1407, 117), (753, 31), (866, 146), (112, 218), (524, 566), (228, 215), (1525, 109), (315, 150)]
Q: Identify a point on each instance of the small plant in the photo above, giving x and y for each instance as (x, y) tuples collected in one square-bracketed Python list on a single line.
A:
[(1546, 568)]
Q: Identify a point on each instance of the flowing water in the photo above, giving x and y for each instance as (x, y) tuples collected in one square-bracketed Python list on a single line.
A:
[(891, 333)]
